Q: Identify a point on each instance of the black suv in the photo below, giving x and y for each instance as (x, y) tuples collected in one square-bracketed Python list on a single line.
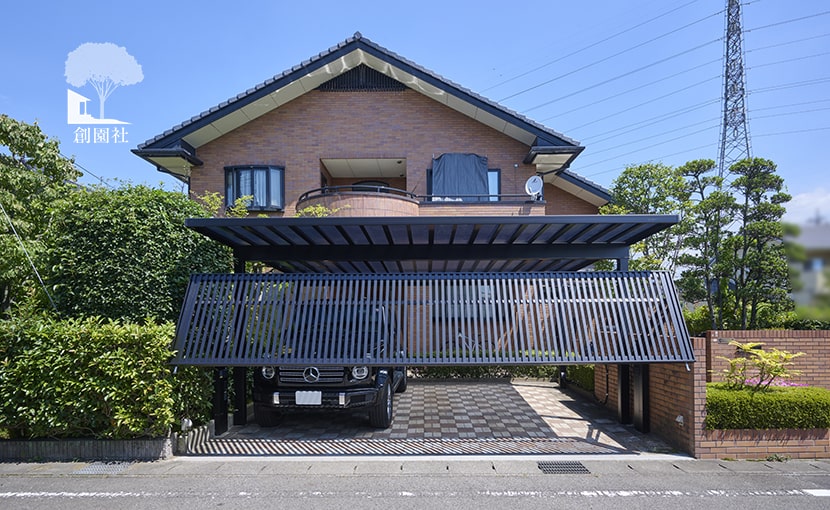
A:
[(278, 388)]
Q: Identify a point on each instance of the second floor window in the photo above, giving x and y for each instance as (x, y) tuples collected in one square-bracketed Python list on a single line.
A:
[(264, 184)]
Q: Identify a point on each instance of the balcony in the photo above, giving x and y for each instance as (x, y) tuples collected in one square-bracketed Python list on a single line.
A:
[(365, 200)]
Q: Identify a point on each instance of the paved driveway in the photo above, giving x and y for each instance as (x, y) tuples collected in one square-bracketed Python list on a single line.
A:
[(450, 418)]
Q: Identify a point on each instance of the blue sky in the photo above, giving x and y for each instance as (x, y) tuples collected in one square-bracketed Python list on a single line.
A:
[(633, 81)]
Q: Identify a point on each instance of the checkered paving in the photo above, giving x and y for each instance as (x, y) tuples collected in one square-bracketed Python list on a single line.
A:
[(447, 418)]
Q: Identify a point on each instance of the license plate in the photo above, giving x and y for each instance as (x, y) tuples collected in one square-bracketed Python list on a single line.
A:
[(308, 398)]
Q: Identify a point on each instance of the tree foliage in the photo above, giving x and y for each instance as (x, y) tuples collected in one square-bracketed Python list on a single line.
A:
[(727, 248), (756, 251), (34, 176), (652, 188), (125, 253)]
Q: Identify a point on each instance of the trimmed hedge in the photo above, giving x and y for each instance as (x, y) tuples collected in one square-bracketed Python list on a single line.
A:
[(93, 378), (774, 408), (485, 372), (582, 376)]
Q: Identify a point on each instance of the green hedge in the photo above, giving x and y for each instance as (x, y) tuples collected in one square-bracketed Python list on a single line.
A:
[(775, 408), (485, 372), (93, 378), (582, 376)]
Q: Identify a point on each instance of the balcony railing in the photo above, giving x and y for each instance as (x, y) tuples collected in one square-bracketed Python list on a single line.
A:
[(355, 188), (364, 188)]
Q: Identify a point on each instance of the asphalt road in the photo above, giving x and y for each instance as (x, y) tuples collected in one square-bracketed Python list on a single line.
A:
[(618, 482)]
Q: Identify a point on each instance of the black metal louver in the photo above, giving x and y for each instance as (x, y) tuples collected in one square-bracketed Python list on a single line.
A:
[(431, 319), (362, 77)]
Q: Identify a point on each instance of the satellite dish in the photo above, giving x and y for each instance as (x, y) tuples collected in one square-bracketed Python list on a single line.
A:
[(533, 186)]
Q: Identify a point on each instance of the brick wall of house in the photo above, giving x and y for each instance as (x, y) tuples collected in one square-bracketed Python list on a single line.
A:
[(559, 201), (404, 125)]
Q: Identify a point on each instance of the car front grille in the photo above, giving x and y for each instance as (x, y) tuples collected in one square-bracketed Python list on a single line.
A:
[(328, 375)]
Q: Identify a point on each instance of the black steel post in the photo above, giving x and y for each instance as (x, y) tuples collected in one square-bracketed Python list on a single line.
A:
[(640, 405), (240, 395), (220, 400), (623, 394)]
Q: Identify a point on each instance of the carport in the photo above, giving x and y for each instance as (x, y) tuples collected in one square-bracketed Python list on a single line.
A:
[(461, 290)]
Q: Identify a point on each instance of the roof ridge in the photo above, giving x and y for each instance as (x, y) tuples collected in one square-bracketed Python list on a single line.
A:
[(357, 38)]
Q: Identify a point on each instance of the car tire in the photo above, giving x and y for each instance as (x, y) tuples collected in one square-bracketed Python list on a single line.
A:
[(380, 414), (266, 417), (402, 385)]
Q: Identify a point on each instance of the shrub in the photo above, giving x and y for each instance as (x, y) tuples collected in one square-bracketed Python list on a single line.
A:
[(92, 378), (485, 372), (774, 408), (126, 254), (582, 376)]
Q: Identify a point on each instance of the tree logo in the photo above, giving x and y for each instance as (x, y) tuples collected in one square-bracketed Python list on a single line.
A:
[(106, 67)]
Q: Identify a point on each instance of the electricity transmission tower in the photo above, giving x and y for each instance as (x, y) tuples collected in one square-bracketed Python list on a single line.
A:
[(734, 140)]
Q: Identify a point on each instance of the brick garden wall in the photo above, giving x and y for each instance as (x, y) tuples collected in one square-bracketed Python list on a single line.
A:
[(676, 391)]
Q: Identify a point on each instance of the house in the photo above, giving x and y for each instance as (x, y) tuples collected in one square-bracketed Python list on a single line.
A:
[(815, 239), (360, 115), (460, 217)]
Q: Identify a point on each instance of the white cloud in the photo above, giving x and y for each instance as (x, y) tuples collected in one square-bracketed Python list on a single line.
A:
[(805, 206)]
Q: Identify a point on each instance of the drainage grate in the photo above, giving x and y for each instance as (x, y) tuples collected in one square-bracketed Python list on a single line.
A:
[(563, 468), (103, 468)]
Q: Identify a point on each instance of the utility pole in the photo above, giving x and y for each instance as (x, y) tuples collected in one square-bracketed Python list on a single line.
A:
[(734, 140)]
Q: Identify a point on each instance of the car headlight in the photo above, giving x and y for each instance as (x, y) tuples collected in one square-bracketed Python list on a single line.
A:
[(360, 373), (269, 372)]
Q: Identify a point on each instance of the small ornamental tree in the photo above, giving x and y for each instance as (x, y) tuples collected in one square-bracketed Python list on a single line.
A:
[(757, 368)]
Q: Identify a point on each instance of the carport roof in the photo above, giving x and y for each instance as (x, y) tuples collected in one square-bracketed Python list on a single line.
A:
[(360, 245)]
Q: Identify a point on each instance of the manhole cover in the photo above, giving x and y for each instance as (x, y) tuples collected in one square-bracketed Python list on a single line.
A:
[(563, 468), (103, 468)]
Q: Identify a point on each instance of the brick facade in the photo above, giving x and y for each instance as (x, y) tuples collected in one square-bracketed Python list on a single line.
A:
[(402, 124)]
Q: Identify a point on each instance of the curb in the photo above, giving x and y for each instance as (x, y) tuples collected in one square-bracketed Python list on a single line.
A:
[(62, 450)]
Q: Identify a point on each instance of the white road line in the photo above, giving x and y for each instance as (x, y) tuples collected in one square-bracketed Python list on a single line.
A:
[(451, 494)]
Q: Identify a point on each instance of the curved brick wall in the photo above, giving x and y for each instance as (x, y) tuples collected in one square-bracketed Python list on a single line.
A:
[(356, 204)]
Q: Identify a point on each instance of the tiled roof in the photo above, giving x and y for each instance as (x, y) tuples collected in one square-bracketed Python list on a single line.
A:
[(355, 42)]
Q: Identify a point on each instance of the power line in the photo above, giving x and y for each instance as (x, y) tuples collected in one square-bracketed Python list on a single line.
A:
[(646, 102), (522, 75), (797, 131), (684, 151), (786, 61), (28, 257), (812, 110), (786, 43), (682, 128), (804, 83), (810, 16), (84, 170), (629, 73), (639, 87), (615, 55), (652, 121), (650, 146)]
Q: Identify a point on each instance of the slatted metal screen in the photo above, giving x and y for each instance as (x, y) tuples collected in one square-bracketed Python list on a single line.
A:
[(435, 319)]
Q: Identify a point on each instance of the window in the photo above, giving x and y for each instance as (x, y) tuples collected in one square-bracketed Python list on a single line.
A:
[(263, 183), (493, 184)]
